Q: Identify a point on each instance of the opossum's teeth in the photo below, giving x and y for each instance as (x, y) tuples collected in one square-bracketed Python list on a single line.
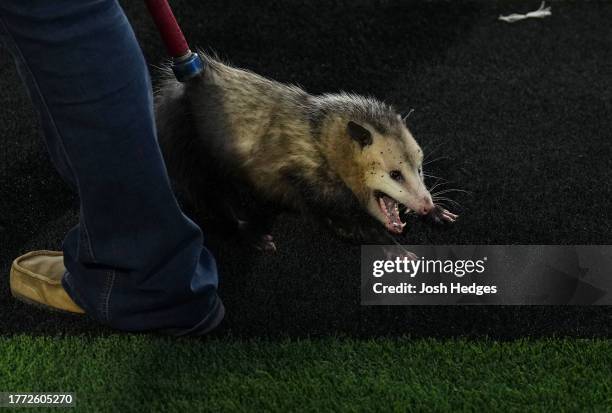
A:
[(390, 209)]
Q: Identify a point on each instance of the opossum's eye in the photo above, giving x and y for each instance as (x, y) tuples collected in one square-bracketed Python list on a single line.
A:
[(396, 176), (359, 133)]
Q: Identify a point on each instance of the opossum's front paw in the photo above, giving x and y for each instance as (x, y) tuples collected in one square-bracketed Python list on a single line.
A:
[(261, 242), (440, 215), (254, 237), (265, 243)]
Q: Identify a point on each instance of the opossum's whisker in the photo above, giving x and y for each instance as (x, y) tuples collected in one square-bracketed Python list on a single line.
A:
[(444, 191), (428, 153), (435, 160), (437, 199), (442, 204), (443, 198), (438, 142), (437, 184), (433, 176), (451, 190), (434, 187)]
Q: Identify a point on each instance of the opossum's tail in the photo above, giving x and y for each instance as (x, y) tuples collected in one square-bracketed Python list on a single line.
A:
[(176, 134), (190, 157)]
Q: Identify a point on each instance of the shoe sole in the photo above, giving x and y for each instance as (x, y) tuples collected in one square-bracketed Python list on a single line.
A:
[(36, 304)]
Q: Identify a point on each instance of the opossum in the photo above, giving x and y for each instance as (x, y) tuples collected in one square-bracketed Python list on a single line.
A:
[(347, 160)]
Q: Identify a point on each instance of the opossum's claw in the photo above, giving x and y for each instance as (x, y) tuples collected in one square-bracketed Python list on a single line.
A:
[(265, 244), (440, 215), (252, 237), (270, 247), (449, 216)]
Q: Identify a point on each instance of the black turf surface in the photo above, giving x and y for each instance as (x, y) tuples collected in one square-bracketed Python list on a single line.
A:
[(520, 115)]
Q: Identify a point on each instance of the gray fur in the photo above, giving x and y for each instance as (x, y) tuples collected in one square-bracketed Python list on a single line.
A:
[(231, 131)]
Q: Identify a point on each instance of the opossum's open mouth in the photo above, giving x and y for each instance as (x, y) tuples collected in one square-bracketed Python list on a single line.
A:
[(390, 209)]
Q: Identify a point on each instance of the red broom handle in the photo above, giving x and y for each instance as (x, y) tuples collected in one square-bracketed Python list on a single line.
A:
[(168, 27)]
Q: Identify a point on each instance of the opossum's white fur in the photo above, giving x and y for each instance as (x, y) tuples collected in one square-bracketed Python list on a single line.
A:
[(231, 128)]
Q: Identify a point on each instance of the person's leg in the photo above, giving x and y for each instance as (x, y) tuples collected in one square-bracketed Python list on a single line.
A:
[(134, 262)]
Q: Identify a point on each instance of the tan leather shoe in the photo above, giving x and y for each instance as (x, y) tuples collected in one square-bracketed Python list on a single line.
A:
[(36, 278)]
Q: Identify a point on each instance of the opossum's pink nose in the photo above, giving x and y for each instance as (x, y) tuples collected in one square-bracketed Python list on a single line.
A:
[(427, 206)]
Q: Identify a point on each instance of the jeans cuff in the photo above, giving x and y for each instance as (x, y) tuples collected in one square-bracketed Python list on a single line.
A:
[(208, 323), (212, 319)]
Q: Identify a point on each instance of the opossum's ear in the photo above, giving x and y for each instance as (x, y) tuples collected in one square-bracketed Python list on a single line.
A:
[(359, 133)]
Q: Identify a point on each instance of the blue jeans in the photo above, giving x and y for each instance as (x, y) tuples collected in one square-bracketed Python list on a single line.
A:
[(134, 262)]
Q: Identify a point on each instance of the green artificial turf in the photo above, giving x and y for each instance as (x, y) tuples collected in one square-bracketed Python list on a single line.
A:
[(129, 373)]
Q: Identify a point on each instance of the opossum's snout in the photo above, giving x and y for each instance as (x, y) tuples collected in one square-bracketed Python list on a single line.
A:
[(425, 205), (394, 191), (386, 208), (418, 201)]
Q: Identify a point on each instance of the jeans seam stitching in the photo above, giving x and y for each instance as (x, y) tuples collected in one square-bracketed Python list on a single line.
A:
[(110, 281), (86, 234)]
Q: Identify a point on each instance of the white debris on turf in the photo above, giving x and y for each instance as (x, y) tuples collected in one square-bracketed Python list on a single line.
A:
[(540, 13)]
